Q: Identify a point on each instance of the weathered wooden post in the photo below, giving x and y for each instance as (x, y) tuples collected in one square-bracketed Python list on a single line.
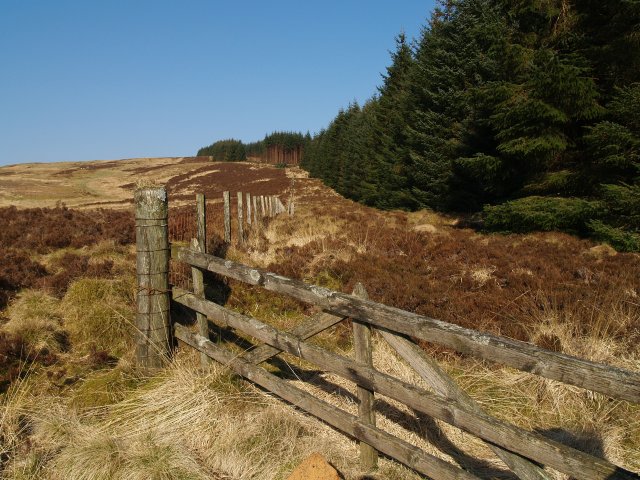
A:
[(240, 226), (291, 190), (255, 211), (364, 355), (153, 326), (226, 197), (199, 244), (248, 208), (262, 212), (201, 221)]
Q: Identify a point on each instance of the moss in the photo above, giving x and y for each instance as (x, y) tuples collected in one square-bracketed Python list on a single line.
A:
[(328, 279)]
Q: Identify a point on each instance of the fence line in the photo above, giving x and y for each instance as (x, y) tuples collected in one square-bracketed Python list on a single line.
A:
[(524, 452), (183, 220)]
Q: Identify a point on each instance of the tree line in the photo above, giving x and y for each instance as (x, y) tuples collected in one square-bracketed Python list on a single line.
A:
[(525, 113), (276, 147)]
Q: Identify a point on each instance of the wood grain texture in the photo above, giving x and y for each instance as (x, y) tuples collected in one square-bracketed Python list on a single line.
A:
[(445, 386), (364, 356), (248, 208), (240, 220), (153, 332), (255, 210), (201, 222), (198, 290), (316, 324)]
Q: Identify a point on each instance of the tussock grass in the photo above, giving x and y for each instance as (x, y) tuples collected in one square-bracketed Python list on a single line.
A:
[(182, 424), (99, 314), (35, 318), (101, 419)]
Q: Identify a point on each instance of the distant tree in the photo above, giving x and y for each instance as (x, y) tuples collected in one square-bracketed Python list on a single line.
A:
[(229, 150)]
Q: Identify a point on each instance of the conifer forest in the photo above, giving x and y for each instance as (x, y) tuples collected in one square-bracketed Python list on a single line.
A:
[(525, 113)]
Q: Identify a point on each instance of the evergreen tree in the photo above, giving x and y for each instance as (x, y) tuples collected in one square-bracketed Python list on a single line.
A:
[(389, 177), (453, 58)]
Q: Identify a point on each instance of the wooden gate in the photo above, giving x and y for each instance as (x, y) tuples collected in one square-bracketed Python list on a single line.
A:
[(526, 453)]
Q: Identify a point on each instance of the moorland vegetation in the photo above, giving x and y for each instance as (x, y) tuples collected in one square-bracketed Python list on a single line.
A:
[(74, 406)]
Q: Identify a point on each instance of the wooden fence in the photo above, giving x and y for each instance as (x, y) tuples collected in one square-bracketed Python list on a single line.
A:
[(249, 210), (526, 453)]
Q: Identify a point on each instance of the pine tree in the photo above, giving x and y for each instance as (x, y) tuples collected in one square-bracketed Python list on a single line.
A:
[(389, 166), (452, 60)]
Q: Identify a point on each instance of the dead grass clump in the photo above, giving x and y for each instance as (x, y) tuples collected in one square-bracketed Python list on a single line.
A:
[(99, 314), (35, 318), (13, 427)]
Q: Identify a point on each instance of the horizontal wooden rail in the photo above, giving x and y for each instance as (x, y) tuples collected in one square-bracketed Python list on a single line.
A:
[(396, 448), (531, 445), (614, 382), (318, 323)]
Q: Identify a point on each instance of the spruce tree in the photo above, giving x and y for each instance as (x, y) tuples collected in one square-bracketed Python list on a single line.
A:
[(388, 158)]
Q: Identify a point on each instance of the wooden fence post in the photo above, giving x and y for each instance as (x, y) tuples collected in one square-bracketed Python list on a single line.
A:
[(201, 221), (364, 355), (240, 226), (255, 211), (226, 197), (153, 327), (199, 244), (248, 208), (262, 211), (291, 189)]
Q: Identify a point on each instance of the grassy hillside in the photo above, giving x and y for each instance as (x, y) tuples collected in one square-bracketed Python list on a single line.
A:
[(73, 406)]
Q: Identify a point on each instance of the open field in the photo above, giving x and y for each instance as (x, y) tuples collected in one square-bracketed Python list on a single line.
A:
[(72, 405), (109, 183)]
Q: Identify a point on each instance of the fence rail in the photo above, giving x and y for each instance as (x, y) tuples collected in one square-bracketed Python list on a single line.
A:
[(524, 452)]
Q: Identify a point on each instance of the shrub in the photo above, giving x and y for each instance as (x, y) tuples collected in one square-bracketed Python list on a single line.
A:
[(45, 229), (17, 271), (529, 214), (73, 267), (618, 238)]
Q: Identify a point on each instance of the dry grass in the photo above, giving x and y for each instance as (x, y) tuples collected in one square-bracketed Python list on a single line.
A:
[(80, 184), (183, 424), (88, 414)]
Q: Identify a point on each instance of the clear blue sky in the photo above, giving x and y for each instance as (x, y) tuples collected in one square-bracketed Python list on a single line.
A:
[(89, 79)]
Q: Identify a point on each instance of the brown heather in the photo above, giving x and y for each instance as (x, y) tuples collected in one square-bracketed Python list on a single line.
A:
[(72, 406)]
